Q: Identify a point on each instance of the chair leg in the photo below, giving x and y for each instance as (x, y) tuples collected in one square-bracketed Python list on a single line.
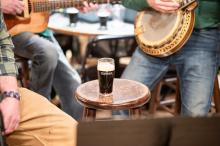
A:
[(23, 70), (25, 74), (178, 99), (154, 102), (216, 95)]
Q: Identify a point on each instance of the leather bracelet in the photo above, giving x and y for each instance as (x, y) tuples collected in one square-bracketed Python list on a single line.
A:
[(13, 94)]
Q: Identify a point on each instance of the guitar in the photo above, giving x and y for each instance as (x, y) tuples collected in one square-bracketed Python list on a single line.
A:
[(35, 16)]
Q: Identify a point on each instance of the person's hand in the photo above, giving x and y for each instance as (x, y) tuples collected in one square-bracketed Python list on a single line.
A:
[(167, 6), (13, 7), (87, 7), (10, 110)]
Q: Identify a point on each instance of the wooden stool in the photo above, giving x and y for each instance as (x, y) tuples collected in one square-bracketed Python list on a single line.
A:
[(127, 94)]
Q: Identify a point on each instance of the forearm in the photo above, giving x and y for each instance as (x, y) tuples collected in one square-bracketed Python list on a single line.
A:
[(8, 69), (7, 60), (9, 105), (137, 5), (8, 83)]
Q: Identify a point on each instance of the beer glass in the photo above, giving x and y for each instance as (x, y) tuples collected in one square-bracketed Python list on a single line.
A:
[(73, 16), (106, 74), (103, 14), (103, 22)]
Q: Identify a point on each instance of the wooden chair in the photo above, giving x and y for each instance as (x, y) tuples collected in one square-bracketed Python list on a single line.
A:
[(23, 71), (160, 99), (215, 103), (173, 105), (24, 76)]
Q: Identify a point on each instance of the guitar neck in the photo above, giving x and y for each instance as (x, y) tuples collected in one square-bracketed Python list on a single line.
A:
[(48, 5)]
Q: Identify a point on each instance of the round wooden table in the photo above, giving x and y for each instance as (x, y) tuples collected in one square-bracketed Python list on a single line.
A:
[(127, 94)]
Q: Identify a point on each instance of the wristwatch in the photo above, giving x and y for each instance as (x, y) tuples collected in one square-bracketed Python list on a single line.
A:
[(13, 94)]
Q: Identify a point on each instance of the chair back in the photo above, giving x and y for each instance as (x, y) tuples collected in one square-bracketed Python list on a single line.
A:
[(114, 46)]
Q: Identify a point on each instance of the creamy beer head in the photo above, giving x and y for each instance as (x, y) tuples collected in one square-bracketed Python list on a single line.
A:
[(103, 13), (105, 66)]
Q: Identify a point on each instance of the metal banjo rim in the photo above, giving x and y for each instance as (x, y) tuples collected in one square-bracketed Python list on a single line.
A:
[(168, 45)]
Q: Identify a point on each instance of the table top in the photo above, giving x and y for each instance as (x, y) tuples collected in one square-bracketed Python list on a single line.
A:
[(126, 94), (60, 24)]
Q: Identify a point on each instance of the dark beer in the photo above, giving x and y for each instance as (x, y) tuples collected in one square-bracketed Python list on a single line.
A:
[(106, 74), (103, 18), (73, 16)]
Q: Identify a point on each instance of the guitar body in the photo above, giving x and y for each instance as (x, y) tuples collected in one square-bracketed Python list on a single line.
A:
[(35, 23)]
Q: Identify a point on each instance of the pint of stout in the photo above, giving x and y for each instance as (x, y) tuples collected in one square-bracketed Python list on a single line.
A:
[(103, 15), (106, 74), (73, 16)]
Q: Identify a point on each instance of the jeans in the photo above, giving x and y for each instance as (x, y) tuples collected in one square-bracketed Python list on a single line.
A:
[(50, 68), (196, 64)]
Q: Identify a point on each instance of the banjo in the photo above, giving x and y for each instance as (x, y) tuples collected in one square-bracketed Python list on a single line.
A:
[(162, 34)]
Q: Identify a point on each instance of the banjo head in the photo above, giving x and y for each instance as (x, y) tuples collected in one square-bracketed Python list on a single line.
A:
[(161, 34)]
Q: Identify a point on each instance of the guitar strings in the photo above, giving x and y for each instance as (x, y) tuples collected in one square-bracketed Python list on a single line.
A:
[(47, 5)]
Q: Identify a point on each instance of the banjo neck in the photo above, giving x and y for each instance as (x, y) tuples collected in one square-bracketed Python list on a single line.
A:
[(185, 3)]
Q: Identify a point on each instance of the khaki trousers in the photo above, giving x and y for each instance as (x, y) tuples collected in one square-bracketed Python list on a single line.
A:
[(42, 123)]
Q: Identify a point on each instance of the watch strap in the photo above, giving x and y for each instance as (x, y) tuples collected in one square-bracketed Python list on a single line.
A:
[(13, 94)]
